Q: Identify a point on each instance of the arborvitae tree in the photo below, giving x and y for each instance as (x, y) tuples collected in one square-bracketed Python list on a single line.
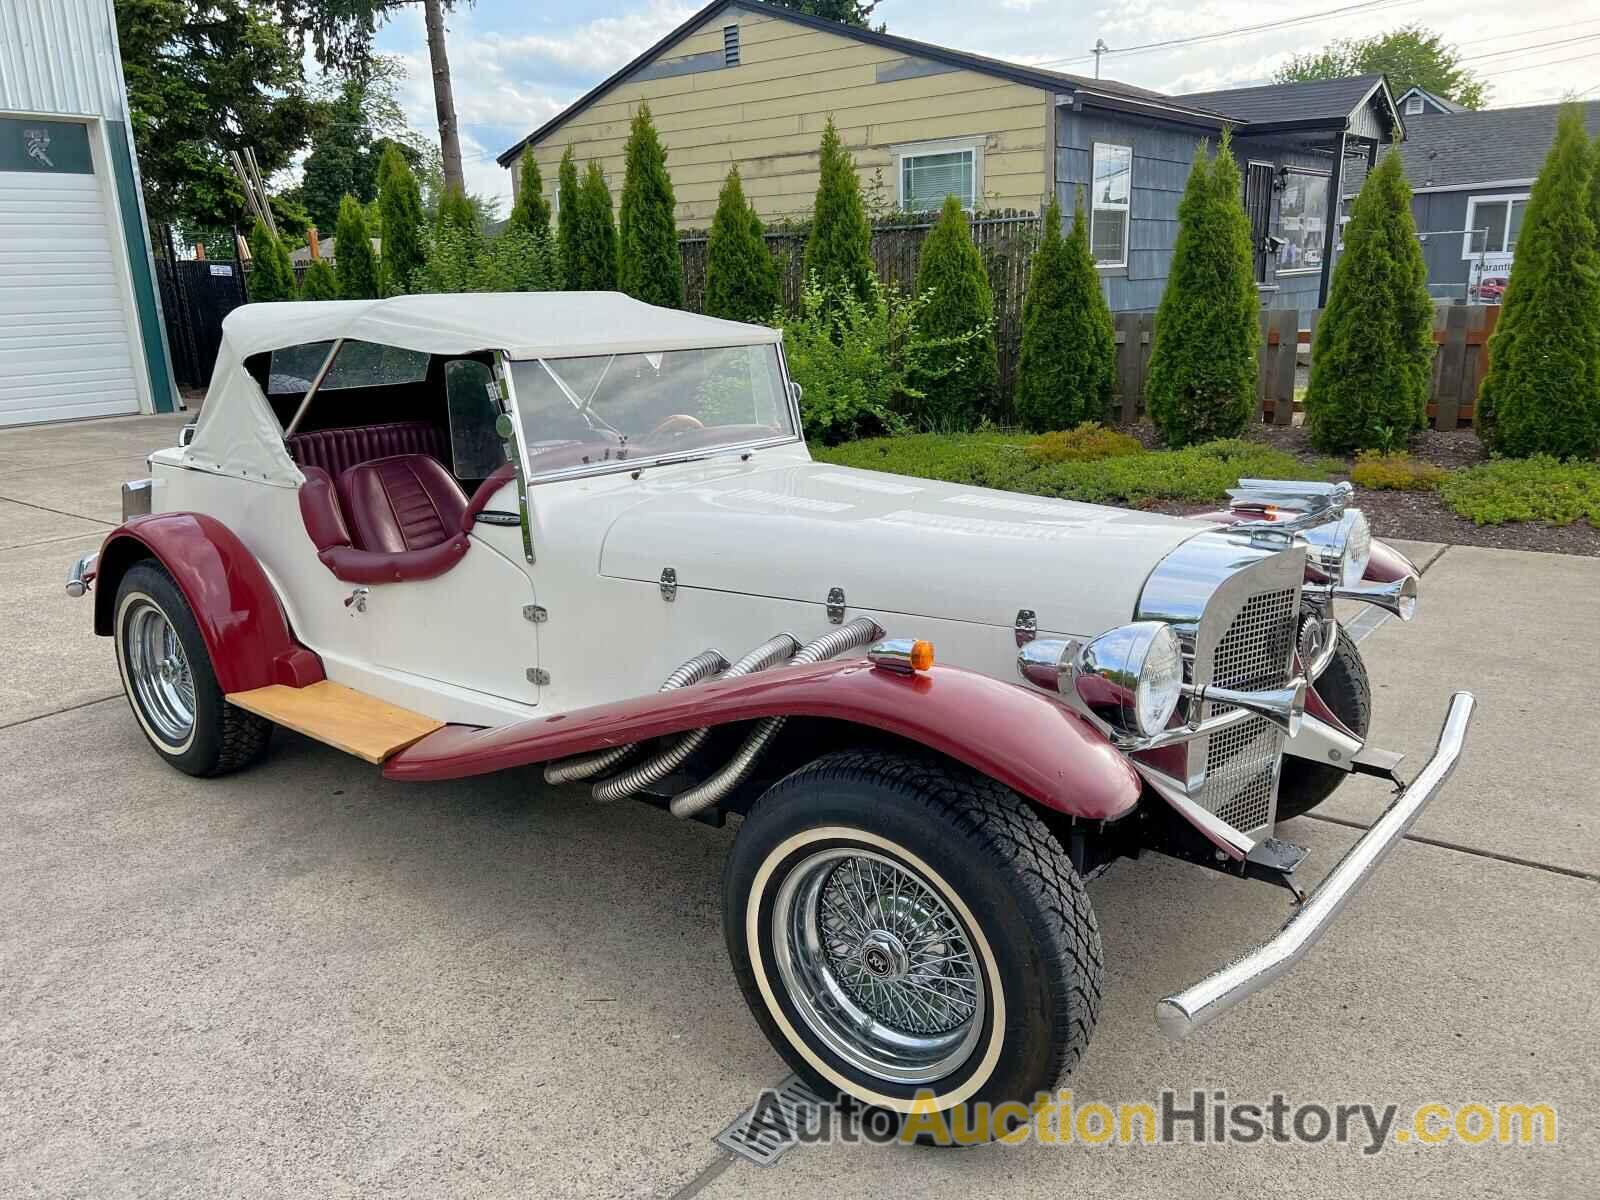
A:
[(531, 212), (399, 222), (1202, 379), (741, 274), (567, 218), (1067, 366), (1594, 189), (650, 266), (1542, 392), (319, 283), (592, 266), (1371, 366), (456, 212), (271, 276), (955, 394), (357, 269), (839, 249)]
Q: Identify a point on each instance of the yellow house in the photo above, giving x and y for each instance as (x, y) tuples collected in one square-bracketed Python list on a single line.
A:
[(752, 84)]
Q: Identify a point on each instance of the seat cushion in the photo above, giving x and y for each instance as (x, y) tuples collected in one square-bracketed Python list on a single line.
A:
[(403, 503), (337, 450)]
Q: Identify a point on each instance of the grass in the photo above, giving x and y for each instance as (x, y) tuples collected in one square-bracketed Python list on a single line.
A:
[(1525, 489), (1195, 474)]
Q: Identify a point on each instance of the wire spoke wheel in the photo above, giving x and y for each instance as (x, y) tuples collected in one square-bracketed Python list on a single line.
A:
[(878, 965), (158, 670)]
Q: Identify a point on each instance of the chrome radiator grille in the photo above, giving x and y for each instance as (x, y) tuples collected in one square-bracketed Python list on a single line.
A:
[(1241, 764)]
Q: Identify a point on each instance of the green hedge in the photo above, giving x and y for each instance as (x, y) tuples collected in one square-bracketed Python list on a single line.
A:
[(1196, 474)]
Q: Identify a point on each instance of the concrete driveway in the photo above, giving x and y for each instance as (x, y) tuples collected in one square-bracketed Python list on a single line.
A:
[(305, 981)]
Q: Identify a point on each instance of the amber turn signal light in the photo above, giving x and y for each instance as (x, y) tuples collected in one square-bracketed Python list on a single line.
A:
[(902, 655)]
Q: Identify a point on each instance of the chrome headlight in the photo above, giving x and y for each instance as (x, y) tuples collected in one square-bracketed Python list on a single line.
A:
[(1131, 677), (1339, 551)]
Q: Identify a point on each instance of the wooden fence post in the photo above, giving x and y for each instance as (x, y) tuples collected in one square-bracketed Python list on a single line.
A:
[(1285, 327), (1452, 355), (1130, 377)]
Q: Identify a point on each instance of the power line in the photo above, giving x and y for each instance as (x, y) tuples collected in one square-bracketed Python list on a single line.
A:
[(1524, 32), (1227, 33), (1534, 66), (1584, 37)]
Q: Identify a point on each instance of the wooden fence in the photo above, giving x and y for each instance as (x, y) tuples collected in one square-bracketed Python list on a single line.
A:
[(1460, 333)]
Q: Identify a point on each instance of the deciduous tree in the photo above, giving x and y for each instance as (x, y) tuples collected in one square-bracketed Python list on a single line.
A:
[(1412, 56)]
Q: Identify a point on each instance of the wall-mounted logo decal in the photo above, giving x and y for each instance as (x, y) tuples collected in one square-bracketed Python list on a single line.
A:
[(37, 142)]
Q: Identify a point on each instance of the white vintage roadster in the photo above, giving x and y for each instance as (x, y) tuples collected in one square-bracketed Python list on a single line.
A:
[(459, 534)]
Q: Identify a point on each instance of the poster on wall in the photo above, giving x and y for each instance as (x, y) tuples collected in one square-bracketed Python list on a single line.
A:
[(1486, 283)]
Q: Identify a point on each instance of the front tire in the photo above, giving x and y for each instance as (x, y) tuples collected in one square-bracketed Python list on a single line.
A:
[(910, 933), (1343, 686), (171, 686)]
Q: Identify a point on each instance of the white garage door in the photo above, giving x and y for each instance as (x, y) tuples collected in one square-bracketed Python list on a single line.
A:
[(66, 330)]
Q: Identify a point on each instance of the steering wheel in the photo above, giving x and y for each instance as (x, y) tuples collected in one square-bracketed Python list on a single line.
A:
[(678, 423)]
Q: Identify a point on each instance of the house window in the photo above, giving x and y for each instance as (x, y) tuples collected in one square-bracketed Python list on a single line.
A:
[(730, 45), (1493, 223), (1110, 190), (1413, 105), (930, 171), (1302, 221)]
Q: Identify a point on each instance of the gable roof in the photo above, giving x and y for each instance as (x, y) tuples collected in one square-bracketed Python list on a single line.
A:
[(1103, 92), (1456, 150), (1308, 103), (1438, 103)]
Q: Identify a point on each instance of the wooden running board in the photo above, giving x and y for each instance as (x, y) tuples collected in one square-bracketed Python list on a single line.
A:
[(352, 721)]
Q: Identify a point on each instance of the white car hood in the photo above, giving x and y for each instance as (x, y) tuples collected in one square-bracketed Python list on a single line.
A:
[(898, 544)]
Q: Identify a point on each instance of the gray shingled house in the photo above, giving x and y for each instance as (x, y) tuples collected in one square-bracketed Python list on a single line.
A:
[(1470, 174)]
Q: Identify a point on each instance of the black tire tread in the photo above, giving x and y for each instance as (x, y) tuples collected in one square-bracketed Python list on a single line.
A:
[(243, 735), (1013, 835)]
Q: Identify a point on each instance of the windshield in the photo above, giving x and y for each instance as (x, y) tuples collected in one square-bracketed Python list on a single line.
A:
[(577, 412)]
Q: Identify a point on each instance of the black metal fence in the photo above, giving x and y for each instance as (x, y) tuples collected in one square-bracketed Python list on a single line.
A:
[(195, 296)]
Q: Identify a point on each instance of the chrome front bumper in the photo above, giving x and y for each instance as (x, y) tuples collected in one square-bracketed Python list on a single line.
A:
[(81, 574), (1201, 1003)]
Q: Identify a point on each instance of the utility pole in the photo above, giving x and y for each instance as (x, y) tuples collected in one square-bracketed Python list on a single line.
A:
[(1100, 48)]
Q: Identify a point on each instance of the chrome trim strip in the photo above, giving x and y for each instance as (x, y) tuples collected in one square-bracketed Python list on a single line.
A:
[(1322, 743), (1201, 1003), (1225, 837)]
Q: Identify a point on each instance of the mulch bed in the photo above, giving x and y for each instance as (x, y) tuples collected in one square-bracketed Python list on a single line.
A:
[(1422, 516)]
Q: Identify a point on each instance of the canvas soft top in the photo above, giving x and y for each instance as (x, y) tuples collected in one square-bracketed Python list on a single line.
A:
[(238, 434)]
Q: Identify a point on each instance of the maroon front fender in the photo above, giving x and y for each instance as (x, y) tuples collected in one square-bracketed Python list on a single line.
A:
[(1025, 740), (238, 612)]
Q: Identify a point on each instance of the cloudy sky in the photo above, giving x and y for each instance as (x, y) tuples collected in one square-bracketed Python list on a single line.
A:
[(516, 64)]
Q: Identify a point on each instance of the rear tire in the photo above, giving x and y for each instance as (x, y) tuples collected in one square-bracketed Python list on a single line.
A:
[(1343, 686), (171, 686), (931, 900)]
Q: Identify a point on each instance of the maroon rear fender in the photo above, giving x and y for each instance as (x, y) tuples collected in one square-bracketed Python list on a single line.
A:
[(1025, 740), (238, 612)]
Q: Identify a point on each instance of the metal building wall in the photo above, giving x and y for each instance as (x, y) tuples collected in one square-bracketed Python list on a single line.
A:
[(36, 77)]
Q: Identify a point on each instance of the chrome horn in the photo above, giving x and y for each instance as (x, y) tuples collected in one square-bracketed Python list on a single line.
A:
[(1398, 597), (1284, 706)]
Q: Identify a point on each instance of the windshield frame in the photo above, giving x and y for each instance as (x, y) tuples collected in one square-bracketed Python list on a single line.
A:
[(666, 458)]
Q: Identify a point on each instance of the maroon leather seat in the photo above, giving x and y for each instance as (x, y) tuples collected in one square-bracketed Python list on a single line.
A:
[(337, 450)]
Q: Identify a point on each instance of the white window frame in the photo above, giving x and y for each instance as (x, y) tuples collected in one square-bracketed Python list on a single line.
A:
[(906, 150), (1467, 252), (1277, 224), (1126, 209)]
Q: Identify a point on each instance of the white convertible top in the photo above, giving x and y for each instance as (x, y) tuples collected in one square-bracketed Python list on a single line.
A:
[(237, 433)]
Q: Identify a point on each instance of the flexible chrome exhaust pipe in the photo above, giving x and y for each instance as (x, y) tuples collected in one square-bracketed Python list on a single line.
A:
[(585, 766), (708, 791), (772, 651)]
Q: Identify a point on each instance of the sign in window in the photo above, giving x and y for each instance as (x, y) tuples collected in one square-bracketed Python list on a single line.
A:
[(1302, 221)]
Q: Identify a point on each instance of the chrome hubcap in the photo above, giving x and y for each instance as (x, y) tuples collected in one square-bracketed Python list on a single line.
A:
[(878, 965), (158, 672)]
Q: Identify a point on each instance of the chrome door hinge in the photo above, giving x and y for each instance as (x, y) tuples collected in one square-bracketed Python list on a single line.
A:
[(534, 613), (669, 584), (1027, 626), (357, 599), (539, 676), (836, 605)]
